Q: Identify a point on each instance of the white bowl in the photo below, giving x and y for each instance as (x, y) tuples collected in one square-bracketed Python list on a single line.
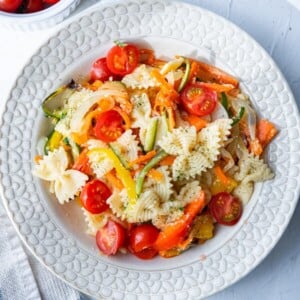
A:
[(39, 20)]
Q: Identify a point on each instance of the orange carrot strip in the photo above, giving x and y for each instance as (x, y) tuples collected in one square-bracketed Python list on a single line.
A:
[(143, 158), (174, 233), (155, 175), (171, 118), (221, 175), (37, 158), (167, 161), (195, 121), (124, 116), (114, 180), (219, 88), (265, 132), (211, 73), (194, 70), (160, 78), (255, 147)]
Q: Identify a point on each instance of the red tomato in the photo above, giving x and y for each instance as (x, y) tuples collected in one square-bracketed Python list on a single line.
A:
[(34, 6), (10, 5), (50, 2), (82, 164), (142, 239), (110, 238), (100, 70), (225, 208), (94, 195), (109, 126), (122, 60), (198, 99)]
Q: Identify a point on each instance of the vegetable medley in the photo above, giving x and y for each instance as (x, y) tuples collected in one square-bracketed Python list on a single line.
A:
[(157, 152)]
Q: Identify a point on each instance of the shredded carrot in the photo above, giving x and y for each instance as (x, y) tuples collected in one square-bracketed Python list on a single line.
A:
[(37, 158), (255, 147), (219, 88), (155, 175), (114, 180), (221, 175), (195, 121), (167, 161), (161, 79), (194, 70), (125, 117), (171, 118), (265, 132), (92, 86), (143, 158), (210, 73)]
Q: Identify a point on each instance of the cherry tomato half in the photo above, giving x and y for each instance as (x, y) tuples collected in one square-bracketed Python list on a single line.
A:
[(10, 5), (109, 126), (225, 208), (198, 99), (50, 2), (100, 70), (94, 195), (122, 60), (110, 238), (34, 6), (142, 239)]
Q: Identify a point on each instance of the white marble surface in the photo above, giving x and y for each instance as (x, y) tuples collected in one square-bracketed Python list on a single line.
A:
[(275, 24)]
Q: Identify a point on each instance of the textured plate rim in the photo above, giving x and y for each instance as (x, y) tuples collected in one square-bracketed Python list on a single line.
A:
[(282, 228)]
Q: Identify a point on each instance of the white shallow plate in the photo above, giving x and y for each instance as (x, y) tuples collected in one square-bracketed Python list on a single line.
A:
[(56, 234)]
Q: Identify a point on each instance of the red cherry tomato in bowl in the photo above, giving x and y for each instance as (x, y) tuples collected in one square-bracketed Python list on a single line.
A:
[(94, 195), (109, 126), (225, 208), (50, 2), (198, 99), (142, 239), (10, 5), (122, 59), (110, 238), (100, 70), (34, 6)]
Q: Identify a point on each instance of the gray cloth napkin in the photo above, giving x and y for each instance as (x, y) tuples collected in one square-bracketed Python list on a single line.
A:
[(22, 277)]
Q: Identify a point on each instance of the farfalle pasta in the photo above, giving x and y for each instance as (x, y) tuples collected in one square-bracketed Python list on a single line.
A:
[(158, 152)]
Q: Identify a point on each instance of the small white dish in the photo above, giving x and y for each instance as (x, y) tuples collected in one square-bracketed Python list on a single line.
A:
[(56, 234), (39, 20)]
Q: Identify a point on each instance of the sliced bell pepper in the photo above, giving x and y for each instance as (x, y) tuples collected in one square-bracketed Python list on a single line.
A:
[(174, 233), (122, 173)]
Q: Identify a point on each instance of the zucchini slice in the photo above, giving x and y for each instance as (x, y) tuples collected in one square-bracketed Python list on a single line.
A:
[(54, 103)]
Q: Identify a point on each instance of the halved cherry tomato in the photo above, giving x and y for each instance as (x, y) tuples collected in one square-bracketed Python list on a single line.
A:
[(100, 70), (122, 59), (109, 126), (142, 239), (198, 99), (94, 195), (10, 5), (225, 208), (34, 6), (50, 1), (82, 163), (110, 238)]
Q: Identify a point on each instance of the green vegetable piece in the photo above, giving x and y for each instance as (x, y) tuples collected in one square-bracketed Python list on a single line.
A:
[(119, 156), (54, 103), (151, 135), (185, 75), (239, 117), (153, 162)]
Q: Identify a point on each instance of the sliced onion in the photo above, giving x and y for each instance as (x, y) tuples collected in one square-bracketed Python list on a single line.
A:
[(219, 112)]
